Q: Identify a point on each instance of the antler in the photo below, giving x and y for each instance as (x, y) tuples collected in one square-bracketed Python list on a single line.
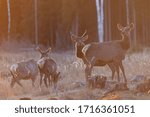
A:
[(48, 50), (79, 36), (39, 49), (84, 33)]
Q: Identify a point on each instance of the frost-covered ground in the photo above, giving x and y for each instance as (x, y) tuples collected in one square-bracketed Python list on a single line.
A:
[(71, 85)]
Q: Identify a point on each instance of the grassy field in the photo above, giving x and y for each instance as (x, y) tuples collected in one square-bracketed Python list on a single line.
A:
[(71, 85)]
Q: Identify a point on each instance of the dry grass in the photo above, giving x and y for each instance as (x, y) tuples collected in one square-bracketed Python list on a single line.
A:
[(71, 86)]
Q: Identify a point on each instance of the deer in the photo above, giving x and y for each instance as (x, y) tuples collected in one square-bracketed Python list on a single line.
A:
[(26, 70), (79, 45), (48, 68), (109, 52)]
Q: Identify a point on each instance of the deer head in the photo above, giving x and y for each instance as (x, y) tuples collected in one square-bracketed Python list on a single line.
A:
[(58, 75), (125, 30), (43, 53), (79, 40)]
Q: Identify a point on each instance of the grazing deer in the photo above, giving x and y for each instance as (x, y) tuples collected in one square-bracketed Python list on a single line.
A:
[(48, 68), (24, 71), (108, 52), (79, 44)]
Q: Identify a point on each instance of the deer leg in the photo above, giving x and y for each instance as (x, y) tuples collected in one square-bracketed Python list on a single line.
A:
[(14, 80), (113, 68), (49, 80), (55, 86), (91, 64), (18, 83), (33, 82), (113, 74), (87, 73), (117, 68), (123, 71), (45, 80), (52, 79), (41, 79), (88, 69), (12, 83)]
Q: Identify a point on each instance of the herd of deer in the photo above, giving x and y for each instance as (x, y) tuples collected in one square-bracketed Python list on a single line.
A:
[(110, 53), (29, 70)]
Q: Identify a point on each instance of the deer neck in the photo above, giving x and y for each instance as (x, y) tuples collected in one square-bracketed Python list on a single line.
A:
[(78, 50), (125, 42)]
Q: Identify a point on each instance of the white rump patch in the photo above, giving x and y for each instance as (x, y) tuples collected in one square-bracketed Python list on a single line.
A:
[(85, 48), (13, 69)]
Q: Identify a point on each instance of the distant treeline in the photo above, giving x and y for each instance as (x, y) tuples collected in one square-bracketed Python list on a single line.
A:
[(56, 18)]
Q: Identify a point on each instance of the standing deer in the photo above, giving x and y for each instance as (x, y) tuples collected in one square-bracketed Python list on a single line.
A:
[(24, 71), (109, 52), (79, 45), (48, 68)]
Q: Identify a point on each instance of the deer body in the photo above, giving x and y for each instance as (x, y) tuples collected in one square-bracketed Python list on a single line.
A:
[(108, 52), (48, 68), (79, 45), (27, 70)]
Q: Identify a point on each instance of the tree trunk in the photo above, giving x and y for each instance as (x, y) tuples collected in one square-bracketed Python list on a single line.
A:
[(100, 19), (9, 18), (127, 11), (109, 20), (36, 22), (134, 21)]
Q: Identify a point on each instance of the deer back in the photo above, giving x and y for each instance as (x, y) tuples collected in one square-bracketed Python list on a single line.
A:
[(24, 69), (105, 52)]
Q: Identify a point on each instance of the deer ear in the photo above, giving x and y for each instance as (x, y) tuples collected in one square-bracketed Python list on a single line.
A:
[(73, 38), (85, 38), (119, 27), (132, 25)]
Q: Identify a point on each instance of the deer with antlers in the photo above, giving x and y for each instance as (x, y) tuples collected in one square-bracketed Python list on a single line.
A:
[(79, 45), (109, 52), (48, 69)]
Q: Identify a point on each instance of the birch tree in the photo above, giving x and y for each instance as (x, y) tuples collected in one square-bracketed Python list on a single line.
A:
[(9, 18), (36, 22), (100, 19)]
